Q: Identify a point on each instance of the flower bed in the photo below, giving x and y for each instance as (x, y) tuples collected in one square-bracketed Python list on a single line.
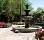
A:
[(8, 25), (39, 34), (5, 25), (2, 24), (18, 23)]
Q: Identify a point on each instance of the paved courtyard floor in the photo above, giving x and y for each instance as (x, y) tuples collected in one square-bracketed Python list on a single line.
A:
[(7, 34)]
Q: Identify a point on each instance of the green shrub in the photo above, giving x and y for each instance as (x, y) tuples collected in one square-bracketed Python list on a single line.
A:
[(8, 24), (19, 23)]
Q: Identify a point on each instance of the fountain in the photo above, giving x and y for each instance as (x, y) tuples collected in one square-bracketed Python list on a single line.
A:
[(27, 17), (25, 28)]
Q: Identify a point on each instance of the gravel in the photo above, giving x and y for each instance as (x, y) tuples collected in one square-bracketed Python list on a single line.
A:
[(7, 34)]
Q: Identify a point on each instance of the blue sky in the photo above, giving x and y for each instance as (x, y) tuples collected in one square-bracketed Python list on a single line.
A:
[(37, 3)]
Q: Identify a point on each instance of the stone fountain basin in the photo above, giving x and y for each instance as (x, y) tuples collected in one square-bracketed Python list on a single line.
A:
[(22, 29)]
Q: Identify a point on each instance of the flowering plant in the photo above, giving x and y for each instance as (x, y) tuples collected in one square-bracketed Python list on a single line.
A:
[(38, 33)]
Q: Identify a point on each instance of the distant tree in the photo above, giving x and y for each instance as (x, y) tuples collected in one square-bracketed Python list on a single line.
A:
[(12, 7), (38, 15)]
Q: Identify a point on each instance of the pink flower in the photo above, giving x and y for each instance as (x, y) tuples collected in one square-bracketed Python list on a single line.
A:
[(2, 23), (42, 37), (36, 31)]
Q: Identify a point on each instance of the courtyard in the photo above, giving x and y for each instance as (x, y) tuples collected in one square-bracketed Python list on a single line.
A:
[(7, 34), (21, 20)]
